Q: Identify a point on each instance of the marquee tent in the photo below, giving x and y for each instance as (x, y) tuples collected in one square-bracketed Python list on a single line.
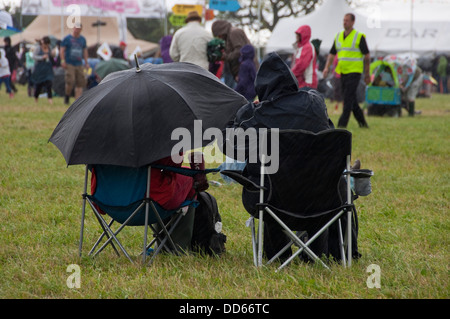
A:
[(109, 33), (426, 34), (5, 19), (7, 27)]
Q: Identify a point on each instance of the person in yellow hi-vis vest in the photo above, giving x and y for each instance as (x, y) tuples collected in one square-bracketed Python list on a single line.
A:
[(353, 59)]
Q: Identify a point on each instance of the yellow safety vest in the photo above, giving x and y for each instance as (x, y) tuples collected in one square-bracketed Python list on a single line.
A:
[(350, 58)]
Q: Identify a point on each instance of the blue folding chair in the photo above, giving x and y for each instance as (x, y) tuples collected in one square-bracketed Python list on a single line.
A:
[(122, 193)]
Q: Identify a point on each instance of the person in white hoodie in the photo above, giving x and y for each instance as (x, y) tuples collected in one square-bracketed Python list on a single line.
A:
[(5, 73), (189, 43)]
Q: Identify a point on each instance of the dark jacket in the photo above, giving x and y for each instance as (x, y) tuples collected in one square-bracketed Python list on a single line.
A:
[(282, 105), (235, 39), (247, 73), (165, 47), (12, 58)]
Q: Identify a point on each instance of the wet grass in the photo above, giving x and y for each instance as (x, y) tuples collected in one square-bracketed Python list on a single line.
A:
[(404, 223)]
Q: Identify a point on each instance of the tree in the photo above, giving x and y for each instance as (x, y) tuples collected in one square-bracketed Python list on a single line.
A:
[(271, 11)]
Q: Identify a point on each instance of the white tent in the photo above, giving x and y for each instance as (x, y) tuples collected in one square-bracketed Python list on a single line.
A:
[(427, 33), (5, 19)]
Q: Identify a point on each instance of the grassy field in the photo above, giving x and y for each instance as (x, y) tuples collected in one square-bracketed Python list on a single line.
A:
[(404, 223)]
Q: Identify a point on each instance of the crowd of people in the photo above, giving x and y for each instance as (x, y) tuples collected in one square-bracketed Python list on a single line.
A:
[(38, 62), (228, 53), (237, 63)]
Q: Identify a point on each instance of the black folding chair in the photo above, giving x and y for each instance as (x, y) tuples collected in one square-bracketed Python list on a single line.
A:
[(309, 185)]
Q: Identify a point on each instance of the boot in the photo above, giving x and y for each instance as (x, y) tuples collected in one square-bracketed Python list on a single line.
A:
[(197, 163), (411, 107)]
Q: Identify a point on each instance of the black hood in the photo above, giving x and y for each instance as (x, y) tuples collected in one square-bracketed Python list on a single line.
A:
[(281, 104), (274, 78)]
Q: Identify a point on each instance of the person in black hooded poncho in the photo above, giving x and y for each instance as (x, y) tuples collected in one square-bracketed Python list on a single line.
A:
[(281, 105)]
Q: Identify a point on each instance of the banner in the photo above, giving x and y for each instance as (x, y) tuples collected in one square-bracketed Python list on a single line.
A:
[(224, 5), (107, 8), (104, 51)]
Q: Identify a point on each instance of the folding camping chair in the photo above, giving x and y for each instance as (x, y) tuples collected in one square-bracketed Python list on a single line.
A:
[(122, 193), (305, 186)]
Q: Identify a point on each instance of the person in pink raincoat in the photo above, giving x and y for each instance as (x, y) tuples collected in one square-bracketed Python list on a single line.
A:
[(304, 59)]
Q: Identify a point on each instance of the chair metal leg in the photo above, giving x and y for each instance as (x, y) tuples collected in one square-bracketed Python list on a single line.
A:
[(260, 242), (349, 216), (298, 234), (261, 213), (144, 253), (251, 224), (110, 232), (105, 233), (341, 244), (161, 224), (83, 211), (175, 220), (293, 238)]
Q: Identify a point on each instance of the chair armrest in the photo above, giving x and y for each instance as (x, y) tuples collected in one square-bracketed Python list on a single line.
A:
[(185, 171), (244, 181), (360, 173)]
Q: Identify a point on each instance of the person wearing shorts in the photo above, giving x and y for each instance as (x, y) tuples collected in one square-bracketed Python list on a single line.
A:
[(73, 52)]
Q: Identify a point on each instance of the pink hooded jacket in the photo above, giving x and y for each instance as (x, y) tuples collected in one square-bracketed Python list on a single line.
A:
[(304, 67)]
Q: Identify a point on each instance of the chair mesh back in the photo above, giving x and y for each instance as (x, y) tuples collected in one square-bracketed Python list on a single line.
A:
[(311, 166)]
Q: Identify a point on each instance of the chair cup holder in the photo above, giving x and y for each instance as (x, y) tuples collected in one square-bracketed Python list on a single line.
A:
[(362, 184)]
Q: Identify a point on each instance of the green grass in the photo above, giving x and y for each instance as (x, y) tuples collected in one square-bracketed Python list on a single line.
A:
[(404, 223)]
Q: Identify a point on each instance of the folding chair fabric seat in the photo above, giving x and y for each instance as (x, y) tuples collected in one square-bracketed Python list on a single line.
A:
[(124, 190)]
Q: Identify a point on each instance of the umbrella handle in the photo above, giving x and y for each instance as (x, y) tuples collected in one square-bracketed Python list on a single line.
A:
[(138, 68)]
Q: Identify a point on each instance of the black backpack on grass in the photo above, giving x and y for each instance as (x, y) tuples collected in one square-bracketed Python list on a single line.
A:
[(207, 236)]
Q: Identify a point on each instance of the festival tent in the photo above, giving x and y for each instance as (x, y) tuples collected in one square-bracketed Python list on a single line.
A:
[(7, 27), (5, 18), (426, 34), (108, 33)]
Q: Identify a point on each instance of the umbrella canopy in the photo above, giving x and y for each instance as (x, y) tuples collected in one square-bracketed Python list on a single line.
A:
[(128, 119), (405, 66), (103, 68)]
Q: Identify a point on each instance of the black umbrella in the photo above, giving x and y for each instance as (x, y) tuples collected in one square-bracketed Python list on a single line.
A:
[(128, 119)]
